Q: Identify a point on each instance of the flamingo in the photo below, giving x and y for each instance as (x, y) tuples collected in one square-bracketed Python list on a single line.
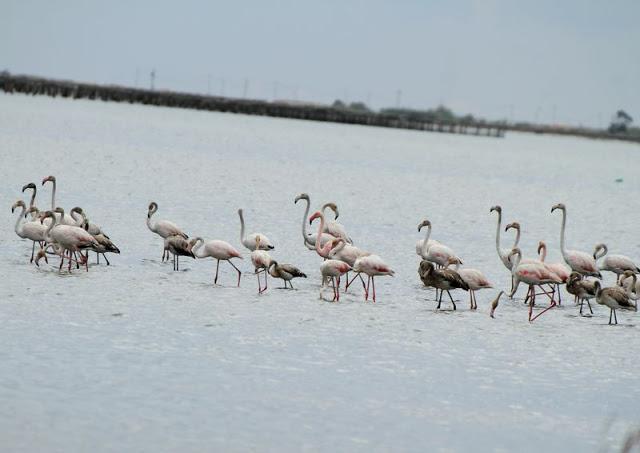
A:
[(309, 238), (617, 264), (34, 231), (286, 272), (251, 241), (163, 228), (533, 274), (372, 265), (615, 298), (261, 261), (106, 245), (322, 250), (69, 238), (436, 253), (33, 187), (582, 289), (629, 285), (218, 250), (494, 303), (333, 269), (64, 219), (420, 243), (560, 269), (578, 261), (503, 253), (442, 279), (474, 279), (334, 228), (178, 246), (342, 251)]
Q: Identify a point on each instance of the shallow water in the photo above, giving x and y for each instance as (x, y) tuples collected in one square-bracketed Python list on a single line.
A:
[(137, 357)]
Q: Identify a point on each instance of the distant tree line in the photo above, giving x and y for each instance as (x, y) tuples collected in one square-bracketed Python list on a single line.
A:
[(440, 114)]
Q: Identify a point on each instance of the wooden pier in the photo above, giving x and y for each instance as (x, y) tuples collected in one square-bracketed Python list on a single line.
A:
[(74, 90)]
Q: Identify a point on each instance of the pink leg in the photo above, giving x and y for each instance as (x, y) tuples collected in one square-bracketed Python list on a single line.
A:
[(239, 273), (366, 290)]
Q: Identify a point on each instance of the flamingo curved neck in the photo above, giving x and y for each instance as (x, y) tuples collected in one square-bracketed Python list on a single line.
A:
[(151, 226), (425, 245), (543, 252), (18, 220), (517, 240), (47, 233), (562, 228), (498, 227), (198, 244), (601, 252), (53, 196), (320, 228), (304, 221)]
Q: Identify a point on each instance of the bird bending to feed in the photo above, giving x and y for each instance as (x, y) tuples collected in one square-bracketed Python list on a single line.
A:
[(372, 265), (348, 253), (163, 228), (218, 250), (442, 279), (615, 298), (436, 253), (578, 261), (333, 270), (69, 239), (261, 261), (310, 238), (494, 304), (251, 241), (582, 289), (32, 230), (286, 272), (617, 264), (178, 246), (533, 274), (474, 279)]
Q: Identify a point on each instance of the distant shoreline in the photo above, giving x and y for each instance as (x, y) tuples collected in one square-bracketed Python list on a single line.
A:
[(282, 109)]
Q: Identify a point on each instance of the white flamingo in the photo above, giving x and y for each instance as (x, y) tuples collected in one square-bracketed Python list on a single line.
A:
[(218, 250), (70, 239), (436, 253), (373, 266), (617, 264), (420, 243), (474, 279), (64, 219), (33, 230), (261, 261), (532, 274), (250, 241), (578, 261), (163, 228), (310, 238)]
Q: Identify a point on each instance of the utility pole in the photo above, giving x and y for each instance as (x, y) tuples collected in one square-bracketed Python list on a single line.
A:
[(153, 79)]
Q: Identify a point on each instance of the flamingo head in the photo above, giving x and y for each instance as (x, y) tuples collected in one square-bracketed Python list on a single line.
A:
[(47, 214), (515, 251), (79, 211), (194, 241), (496, 208), (424, 223), (272, 263), (334, 242), (495, 303), (59, 210), (426, 267), (153, 207), (30, 210), (333, 207), (541, 245), (16, 204), (599, 251), (559, 206), (302, 196), (314, 216), (515, 225), (29, 186), (49, 179)]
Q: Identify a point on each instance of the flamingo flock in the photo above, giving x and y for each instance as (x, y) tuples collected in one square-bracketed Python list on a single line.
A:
[(70, 236)]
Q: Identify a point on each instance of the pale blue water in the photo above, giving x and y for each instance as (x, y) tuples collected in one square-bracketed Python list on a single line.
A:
[(191, 367)]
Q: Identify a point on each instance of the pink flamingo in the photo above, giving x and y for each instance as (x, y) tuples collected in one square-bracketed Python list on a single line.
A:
[(218, 250), (70, 239), (533, 274), (333, 269), (323, 251), (474, 279), (372, 265), (560, 269)]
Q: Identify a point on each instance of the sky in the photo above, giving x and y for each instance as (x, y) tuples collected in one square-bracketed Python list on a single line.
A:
[(566, 62)]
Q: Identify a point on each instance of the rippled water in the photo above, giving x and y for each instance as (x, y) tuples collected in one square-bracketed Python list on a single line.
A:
[(137, 357)]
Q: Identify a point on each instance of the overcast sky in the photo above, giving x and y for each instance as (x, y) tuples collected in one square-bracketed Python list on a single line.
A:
[(573, 60)]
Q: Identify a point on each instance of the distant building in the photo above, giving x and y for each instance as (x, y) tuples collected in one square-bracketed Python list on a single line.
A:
[(620, 122)]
